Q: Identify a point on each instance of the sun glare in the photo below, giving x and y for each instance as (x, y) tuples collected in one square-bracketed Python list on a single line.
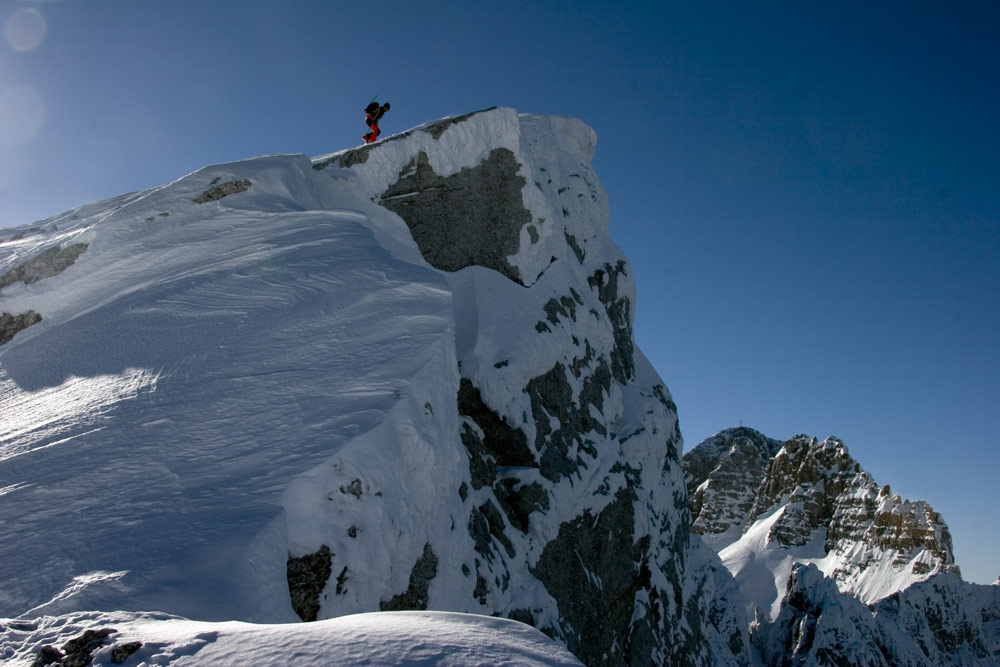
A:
[(25, 29)]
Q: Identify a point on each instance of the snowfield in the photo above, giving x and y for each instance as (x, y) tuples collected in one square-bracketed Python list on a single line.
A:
[(403, 639)]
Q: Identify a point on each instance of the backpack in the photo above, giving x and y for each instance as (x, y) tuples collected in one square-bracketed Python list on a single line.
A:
[(372, 108)]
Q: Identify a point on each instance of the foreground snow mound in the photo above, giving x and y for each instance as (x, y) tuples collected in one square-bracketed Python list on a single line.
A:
[(389, 638), (396, 377)]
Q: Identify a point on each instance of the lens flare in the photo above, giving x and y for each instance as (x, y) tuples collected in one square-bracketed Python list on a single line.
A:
[(22, 112), (25, 29)]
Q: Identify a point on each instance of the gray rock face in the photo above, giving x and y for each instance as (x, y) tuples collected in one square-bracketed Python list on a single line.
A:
[(601, 546), (415, 596), (740, 475), (825, 487), (472, 218), (819, 626), (48, 263), (11, 324), (307, 577), (941, 621), (217, 192)]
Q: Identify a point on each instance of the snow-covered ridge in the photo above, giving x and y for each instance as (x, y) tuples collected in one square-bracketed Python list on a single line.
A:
[(395, 377)]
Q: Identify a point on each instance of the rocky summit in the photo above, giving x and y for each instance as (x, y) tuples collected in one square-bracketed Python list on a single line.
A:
[(723, 475), (403, 378), (810, 539), (805, 501)]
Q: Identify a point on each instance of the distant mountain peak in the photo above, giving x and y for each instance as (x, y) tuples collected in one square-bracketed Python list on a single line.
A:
[(818, 505)]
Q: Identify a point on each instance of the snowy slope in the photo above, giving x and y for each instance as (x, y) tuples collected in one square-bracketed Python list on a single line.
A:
[(189, 366)]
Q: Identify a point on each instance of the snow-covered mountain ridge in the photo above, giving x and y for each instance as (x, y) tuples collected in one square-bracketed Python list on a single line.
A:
[(811, 539), (396, 377)]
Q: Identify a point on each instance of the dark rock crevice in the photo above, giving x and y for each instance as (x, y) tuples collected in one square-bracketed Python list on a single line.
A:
[(619, 310), (552, 396), (415, 597), (307, 576)]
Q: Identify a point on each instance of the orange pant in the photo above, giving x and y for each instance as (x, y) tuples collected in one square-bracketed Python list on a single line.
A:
[(373, 124)]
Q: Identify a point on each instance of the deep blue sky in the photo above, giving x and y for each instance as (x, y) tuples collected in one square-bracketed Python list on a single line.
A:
[(808, 194)]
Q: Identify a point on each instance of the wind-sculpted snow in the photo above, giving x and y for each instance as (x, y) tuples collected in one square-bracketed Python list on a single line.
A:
[(397, 377), (402, 639)]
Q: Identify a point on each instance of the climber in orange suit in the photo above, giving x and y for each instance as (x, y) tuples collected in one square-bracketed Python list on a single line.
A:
[(373, 114)]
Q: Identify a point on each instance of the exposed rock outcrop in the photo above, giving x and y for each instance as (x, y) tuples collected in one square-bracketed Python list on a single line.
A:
[(470, 218), (307, 576), (414, 598), (10, 324), (77, 652), (217, 192), (46, 264), (824, 488)]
